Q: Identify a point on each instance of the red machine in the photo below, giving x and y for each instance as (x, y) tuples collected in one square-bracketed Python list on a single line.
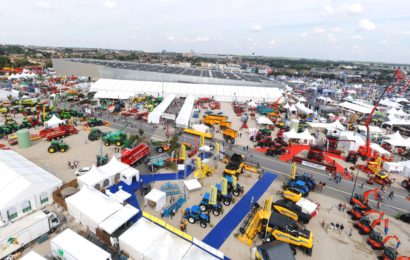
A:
[(376, 241), (391, 253), (365, 226), (362, 199), (315, 156), (357, 212), (135, 155), (365, 151), (59, 132)]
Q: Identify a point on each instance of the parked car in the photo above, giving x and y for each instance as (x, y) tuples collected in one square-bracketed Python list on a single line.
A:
[(405, 217), (82, 171)]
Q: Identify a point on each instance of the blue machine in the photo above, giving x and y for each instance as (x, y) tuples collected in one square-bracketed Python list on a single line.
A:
[(194, 215), (300, 185), (205, 205), (174, 207)]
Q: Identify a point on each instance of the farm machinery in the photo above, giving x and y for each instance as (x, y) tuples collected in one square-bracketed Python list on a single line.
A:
[(57, 146), (210, 203), (194, 215)]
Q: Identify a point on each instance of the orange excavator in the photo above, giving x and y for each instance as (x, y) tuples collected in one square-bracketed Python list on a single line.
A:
[(365, 225), (391, 253), (376, 241), (362, 199)]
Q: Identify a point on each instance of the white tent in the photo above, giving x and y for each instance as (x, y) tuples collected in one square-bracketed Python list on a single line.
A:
[(303, 109), (302, 99), (252, 104), (394, 135), (184, 115), (355, 139), (200, 128), (293, 108), (306, 138), (379, 149), (196, 253), (91, 207), (157, 197), (397, 140), (286, 106), (171, 247), (372, 129), (355, 107), (119, 218), (155, 116), (32, 255), (388, 103), (21, 181), (263, 120), (291, 134), (335, 125), (406, 165), (5, 94), (53, 122)]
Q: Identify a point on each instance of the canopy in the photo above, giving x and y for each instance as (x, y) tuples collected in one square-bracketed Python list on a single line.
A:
[(286, 106), (155, 116), (379, 149), (158, 197), (263, 120), (388, 103), (184, 115), (53, 122), (4, 95), (304, 137), (119, 218), (303, 109), (171, 247), (397, 140), (302, 99), (355, 107), (356, 140), (335, 125), (394, 135), (32, 255), (293, 108), (252, 104), (394, 111)]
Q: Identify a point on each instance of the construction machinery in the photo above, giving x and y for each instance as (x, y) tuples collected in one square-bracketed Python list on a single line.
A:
[(235, 165), (135, 154), (291, 210), (229, 135), (194, 215), (381, 178), (362, 199), (222, 192), (210, 203), (203, 169), (255, 222), (365, 151), (283, 229), (212, 119), (308, 179), (315, 156), (57, 146), (160, 146), (117, 137), (372, 166), (406, 184), (276, 151), (197, 133), (352, 157), (233, 186), (292, 194), (356, 212), (156, 162), (391, 253), (365, 225), (376, 241)]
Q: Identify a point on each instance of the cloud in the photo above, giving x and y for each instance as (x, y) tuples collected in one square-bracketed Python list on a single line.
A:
[(304, 34), (43, 5), (336, 29), (345, 9), (171, 38), (357, 37), (201, 39), (135, 28), (319, 30), (405, 33), (331, 37), (250, 39), (257, 28), (366, 25), (110, 4), (272, 42), (384, 42)]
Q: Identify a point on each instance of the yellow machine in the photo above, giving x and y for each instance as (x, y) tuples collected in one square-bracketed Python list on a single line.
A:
[(235, 165), (197, 133), (203, 169), (229, 135), (255, 222), (217, 149), (293, 171), (220, 120), (251, 167), (182, 154), (202, 141), (375, 166), (286, 212), (292, 194)]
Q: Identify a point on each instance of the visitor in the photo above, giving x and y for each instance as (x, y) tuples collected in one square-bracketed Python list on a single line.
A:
[(391, 195)]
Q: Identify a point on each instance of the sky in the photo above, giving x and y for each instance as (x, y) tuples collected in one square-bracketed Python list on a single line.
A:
[(361, 30)]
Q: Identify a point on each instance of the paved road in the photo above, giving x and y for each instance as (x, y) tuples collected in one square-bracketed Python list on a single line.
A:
[(340, 191)]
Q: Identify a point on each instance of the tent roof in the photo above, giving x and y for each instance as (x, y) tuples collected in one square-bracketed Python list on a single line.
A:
[(54, 120), (155, 195), (302, 108), (93, 204), (119, 218), (184, 114), (335, 125), (379, 149), (32, 255), (373, 129), (263, 120), (114, 165), (21, 179), (355, 107), (172, 247), (394, 136), (196, 253)]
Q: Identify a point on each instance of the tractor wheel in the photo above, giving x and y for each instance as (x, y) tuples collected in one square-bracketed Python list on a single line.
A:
[(227, 202), (191, 220), (107, 143), (203, 224), (405, 184), (216, 212), (160, 150), (236, 193), (51, 150), (62, 150), (202, 207), (308, 251), (118, 143)]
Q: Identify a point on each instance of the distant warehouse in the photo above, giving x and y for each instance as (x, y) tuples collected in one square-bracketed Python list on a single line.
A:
[(124, 89)]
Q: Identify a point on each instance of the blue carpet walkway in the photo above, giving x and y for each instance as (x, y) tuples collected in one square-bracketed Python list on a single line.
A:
[(224, 228)]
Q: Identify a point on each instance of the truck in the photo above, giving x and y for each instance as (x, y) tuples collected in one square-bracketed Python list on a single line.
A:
[(19, 234), (134, 156), (69, 245)]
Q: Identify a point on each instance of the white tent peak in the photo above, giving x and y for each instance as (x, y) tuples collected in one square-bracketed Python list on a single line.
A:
[(54, 121)]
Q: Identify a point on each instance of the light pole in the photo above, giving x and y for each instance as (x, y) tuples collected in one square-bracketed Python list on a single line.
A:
[(354, 185)]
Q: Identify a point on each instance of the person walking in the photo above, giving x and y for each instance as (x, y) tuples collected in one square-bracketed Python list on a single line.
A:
[(391, 195)]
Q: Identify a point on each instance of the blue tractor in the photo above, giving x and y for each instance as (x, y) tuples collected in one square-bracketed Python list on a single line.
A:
[(223, 195), (308, 179), (300, 185), (233, 186), (194, 215), (207, 205)]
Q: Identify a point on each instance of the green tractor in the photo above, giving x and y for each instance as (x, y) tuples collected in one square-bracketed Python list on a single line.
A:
[(95, 134), (118, 138), (57, 146), (95, 122), (25, 124)]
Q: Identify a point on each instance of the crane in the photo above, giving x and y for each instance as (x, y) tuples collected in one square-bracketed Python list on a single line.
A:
[(362, 200), (376, 241), (389, 88)]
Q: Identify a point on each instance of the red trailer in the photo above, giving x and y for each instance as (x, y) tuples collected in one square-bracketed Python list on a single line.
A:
[(135, 155), (59, 132)]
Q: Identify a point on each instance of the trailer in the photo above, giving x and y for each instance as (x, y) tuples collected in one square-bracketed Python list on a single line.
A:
[(134, 156), (69, 245), (59, 132), (15, 236)]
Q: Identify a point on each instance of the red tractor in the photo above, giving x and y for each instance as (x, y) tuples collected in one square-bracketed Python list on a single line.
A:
[(406, 184), (376, 241), (362, 199), (315, 154), (365, 225)]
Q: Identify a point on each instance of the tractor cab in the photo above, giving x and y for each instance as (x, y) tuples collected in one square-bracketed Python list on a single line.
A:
[(376, 237), (102, 160), (390, 253), (365, 221), (237, 190), (352, 157), (205, 205)]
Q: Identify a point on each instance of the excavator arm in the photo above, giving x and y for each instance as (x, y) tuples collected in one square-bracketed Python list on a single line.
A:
[(367, 193), (386, 239)]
